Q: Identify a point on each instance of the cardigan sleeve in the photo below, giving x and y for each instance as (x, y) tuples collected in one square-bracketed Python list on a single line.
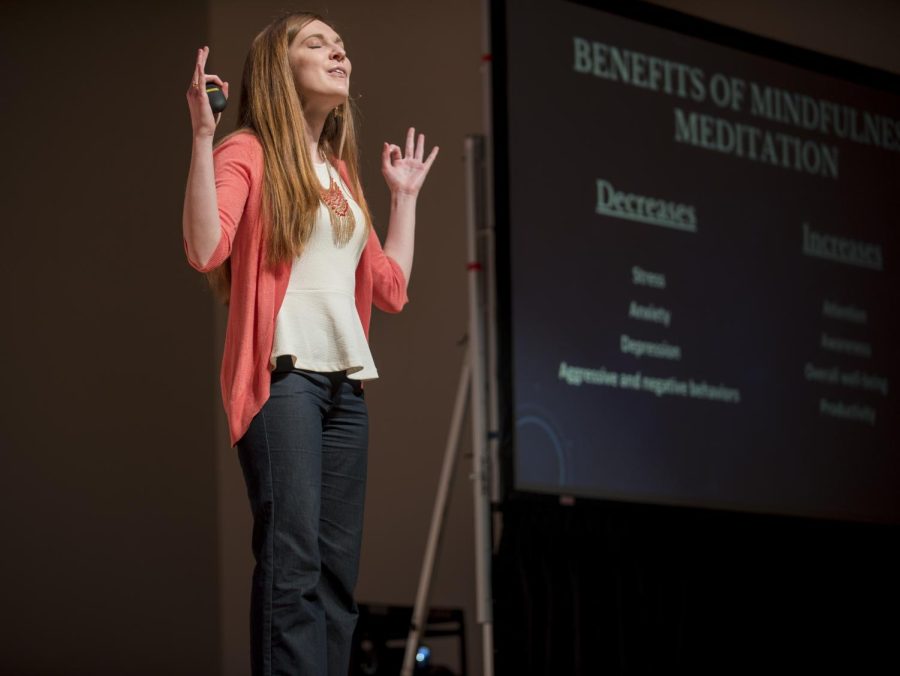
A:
[(388, 281), (389, 288), (235, 163)]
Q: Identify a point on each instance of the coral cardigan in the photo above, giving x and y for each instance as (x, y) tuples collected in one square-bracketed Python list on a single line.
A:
[(257, 290)]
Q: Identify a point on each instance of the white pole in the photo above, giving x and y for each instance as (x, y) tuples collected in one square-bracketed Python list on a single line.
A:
[(472, 381), (438, 518), (490, 430), (481, 475)]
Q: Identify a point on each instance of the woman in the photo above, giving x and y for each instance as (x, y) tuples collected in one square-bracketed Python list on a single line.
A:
[(276, 217)]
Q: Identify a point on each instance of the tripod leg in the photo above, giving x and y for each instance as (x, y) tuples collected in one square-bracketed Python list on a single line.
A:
[(438, 516)]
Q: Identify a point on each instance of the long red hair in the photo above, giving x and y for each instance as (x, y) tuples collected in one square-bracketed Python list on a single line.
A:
[(271, 108)]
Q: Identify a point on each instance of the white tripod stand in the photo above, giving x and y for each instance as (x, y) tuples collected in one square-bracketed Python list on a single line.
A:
[(474, 382)]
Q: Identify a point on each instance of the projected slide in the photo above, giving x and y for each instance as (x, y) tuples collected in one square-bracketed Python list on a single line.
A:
[(703, 256)]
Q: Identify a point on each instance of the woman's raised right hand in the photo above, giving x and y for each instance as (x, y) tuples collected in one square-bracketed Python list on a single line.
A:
[(202, 119)]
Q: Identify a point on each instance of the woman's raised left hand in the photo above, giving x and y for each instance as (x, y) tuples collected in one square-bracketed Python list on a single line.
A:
[(405, 174)]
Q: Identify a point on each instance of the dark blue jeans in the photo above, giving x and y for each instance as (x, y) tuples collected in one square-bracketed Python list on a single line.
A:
[(304, 460)]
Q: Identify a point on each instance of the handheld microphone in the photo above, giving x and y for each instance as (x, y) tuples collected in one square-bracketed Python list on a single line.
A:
[(217, 100)]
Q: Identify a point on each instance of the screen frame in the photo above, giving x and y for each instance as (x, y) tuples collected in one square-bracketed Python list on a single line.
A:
[(659, 17)]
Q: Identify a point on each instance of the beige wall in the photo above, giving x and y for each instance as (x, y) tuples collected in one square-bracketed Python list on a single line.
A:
[(125, 525), (108, 561)]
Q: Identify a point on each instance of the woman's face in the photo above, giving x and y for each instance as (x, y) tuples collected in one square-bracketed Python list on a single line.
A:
[(321, 67)]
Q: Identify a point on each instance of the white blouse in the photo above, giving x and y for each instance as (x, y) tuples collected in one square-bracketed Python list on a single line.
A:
[(318, 324)]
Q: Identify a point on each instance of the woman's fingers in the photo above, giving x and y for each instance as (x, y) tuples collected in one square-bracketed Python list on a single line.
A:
[(386, 156), (202, 119), (410, 137), (415, 150), (197, 77), (420, 147), (406, 173), (389, 154), (411, 151), (200, 66), (200, 78), (431, 156), (198, 84)]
